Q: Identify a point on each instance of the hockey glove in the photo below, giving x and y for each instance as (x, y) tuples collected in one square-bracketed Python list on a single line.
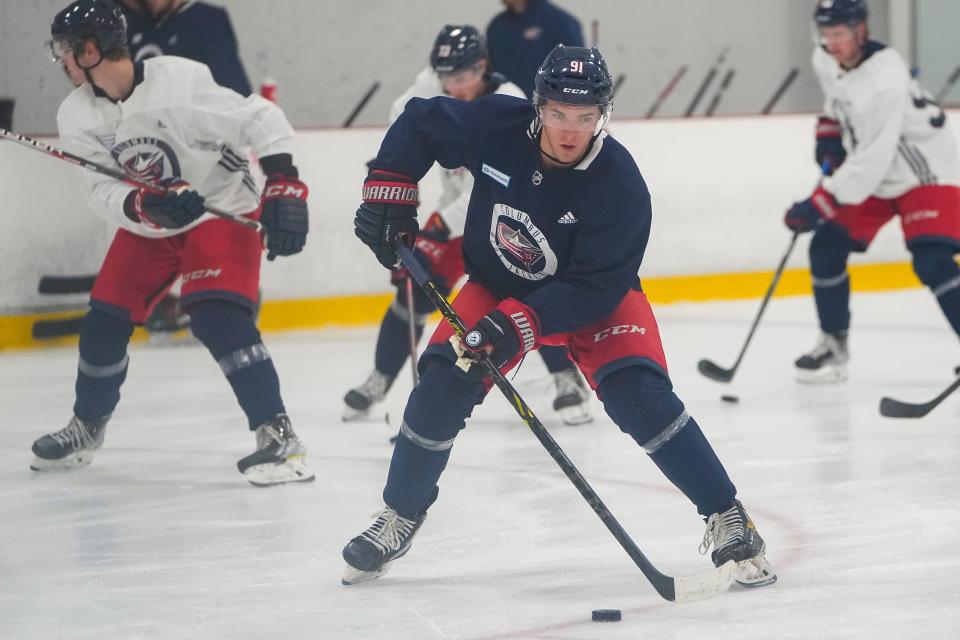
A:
[(829, 152), (283, 214), (174, 208), (506, 332), (388, 212), (433, 243), (804, 216)]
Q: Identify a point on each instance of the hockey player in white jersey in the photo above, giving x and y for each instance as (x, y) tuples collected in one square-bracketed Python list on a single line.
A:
[(889, 151), (460, 68), (165, 121)]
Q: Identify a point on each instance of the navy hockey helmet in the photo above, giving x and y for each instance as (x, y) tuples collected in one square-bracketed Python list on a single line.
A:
[(457, 47), (574, 76), (834, 12), (98, 20)]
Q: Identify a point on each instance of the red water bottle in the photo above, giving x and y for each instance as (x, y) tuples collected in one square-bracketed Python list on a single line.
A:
[(269, 89)]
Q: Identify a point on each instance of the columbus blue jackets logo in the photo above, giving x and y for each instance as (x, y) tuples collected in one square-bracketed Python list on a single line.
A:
[(147, 159), (520, 245)]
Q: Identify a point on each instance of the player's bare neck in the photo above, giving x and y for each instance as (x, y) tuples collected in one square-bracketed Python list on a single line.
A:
[(115, 78)]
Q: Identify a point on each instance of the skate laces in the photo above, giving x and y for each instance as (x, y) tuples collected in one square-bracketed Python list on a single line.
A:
[(388, 531), (826, 346), (723, 529), (74, 435), (568, 383), (277, 430), (375, 386)]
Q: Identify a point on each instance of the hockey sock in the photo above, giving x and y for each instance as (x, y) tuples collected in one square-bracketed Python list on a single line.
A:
[(555, 358), (829, 250), (102, 367), (228, 332), (435, 413), (641, 401), (393, 342), (936, 268)]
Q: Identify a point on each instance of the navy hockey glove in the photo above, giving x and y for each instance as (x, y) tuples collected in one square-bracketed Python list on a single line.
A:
[(174, 208), (804, 216), (506, 332), (829, 152), (388, 212), (283, 214)]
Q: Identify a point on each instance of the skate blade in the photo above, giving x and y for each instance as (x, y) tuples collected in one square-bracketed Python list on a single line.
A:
[(755, 572), (352, 575), (355, 415), (576, 414), (826, 375), (293, 469), (72, 461)]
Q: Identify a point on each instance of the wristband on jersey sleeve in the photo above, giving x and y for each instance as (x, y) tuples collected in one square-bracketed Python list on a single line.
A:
[(828, 128)]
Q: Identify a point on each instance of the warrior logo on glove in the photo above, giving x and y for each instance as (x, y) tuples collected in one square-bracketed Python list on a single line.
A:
[(473, 339)]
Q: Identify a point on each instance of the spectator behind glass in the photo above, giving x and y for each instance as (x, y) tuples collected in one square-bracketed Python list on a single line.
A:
[(188, 29), (520, 37)]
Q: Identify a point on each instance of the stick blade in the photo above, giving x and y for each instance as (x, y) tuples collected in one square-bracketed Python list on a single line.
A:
[(714, 371), (707, 585), (891, 408)]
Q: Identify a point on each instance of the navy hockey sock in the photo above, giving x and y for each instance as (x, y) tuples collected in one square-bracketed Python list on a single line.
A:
[(829, 250), (936, 268), (393, 342), (642, 403), (435, 413), (555, 358), (102, 367), (228, 332)]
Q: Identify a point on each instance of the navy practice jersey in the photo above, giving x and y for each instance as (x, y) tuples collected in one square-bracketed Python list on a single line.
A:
[(567, 242), (197, 31)]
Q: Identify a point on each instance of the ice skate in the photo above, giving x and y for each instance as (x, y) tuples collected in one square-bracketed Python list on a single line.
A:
[(69, 448), (280, 456), (734, 537), (361, 399), (573, 398), (389, 537), (827, 362)]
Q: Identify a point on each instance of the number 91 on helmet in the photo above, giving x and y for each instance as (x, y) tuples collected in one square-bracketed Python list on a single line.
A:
[(573, 77)]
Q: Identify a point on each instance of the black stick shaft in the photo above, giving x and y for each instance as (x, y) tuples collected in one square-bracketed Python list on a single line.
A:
[(666, 91), (952, 80), (727, 79), (663, 584), (116, 174), (782, 89), (360, 105), (707, 81), (412, 332)]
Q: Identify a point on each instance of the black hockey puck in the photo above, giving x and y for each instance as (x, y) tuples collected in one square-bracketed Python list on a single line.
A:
[(606, 615), (728, 398)]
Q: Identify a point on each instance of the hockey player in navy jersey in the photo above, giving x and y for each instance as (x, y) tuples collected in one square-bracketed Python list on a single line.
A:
[(555, 234), (891, 153), (459, 67), (166, 121)]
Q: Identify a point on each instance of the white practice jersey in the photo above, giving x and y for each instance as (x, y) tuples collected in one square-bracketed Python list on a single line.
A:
[(896, 139), (177, 123), (456, 183)]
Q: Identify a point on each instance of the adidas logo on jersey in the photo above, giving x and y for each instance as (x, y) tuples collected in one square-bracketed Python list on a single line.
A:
[(567, 218)]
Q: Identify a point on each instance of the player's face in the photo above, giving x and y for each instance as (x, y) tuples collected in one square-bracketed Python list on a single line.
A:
[(567, 130), (844, 43), (465, 85), (62, 53)]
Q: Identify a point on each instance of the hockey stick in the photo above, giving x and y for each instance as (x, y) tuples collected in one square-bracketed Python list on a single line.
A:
[(666, 91), (685, 589), (360, 105), (707, 81), (945, 90), (891, 408), (714, 371), (715, 102), (116, 174), (412, 327), (782, 89), (47, 329), (65, 284)]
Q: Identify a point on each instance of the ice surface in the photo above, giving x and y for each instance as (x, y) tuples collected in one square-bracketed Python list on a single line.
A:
[(162, 538)]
